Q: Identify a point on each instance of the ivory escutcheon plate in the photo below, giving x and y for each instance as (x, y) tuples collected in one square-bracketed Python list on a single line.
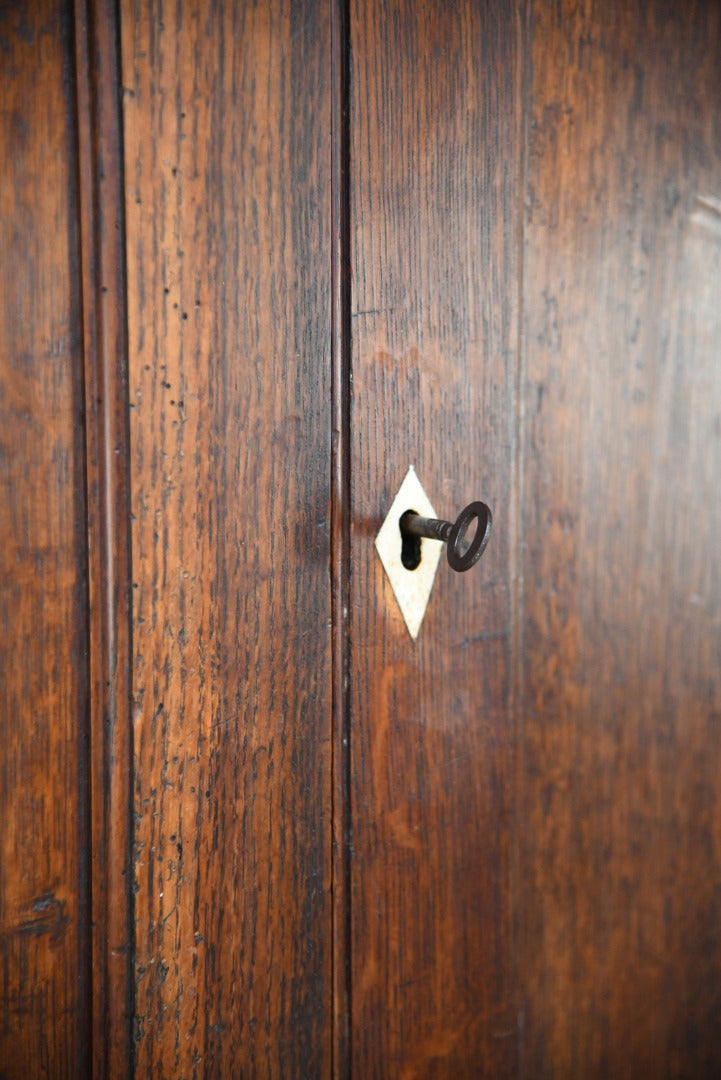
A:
[(412, 588)]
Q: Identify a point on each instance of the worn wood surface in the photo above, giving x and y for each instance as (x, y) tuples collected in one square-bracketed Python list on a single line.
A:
[(101, 216), (541, 906), (435, 240), (44, 957), (621, 644), (340, 530), (227, 151)]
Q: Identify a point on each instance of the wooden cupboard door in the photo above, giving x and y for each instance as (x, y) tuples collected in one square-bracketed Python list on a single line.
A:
[(491, 852), (534, 812), (620, 647), (434, 233), (227, 159)]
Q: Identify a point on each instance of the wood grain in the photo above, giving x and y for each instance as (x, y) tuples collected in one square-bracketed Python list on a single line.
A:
[(435, 126), (621, 643), (44, 943), (542, 907), (340, 530), (105, 378), (227, 136)]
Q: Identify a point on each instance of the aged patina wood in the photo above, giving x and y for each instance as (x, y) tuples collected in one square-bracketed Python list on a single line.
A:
[(227, 156), (44, 857), (102, 241), (480, 239), (434, 226), (620, 827)]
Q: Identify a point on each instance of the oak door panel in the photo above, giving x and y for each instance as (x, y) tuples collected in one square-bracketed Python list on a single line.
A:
[(44, 933), (539, 906), (227, 151), (434, 222), (621, 562)]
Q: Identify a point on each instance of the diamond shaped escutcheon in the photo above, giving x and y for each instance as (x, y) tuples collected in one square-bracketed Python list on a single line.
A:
[(412, 588)]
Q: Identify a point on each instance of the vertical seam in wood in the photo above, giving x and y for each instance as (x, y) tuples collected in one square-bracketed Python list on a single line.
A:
[(86, 257), (518, 591), (104, 317), (340, 535), (76, 45)]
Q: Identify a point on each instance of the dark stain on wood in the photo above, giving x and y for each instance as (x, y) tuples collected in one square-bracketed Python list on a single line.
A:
[(50, 918)]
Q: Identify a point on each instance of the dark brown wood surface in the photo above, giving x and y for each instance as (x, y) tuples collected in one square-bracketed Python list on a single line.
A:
[(621, 561), (523, 268), (44, 918), (102, 242), (340, 531), (227, 151), (435, 239)]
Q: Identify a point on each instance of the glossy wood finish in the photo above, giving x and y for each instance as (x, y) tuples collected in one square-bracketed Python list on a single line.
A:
[(621, 561), (435, 238), (44, 924), (227, 138)]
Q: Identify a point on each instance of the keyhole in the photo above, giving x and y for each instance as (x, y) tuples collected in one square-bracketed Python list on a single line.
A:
[(410, 545)]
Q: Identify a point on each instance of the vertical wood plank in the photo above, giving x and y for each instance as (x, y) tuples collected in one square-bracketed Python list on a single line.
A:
[(435, 127), (227, 129), (622, 562), (101, 216), (340, 529), (44, 958)]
